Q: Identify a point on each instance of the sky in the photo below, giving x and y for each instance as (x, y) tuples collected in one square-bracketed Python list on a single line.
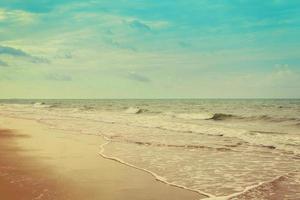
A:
[(149, 49)]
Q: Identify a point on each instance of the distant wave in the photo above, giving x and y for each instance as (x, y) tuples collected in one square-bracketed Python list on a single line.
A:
[(222, 116), (225, 116), (193, 116), (85, 107), (279, 141), (268, 118), (205, 116), (41, 105), (135, 110)]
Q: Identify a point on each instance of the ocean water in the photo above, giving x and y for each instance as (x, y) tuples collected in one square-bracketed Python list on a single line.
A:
[(224, 149)]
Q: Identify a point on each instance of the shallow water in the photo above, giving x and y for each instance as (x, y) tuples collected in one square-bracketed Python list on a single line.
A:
[(216, 147)]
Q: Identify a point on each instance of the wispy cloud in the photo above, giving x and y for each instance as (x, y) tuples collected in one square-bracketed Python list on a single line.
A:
[(6, 50), (17, 16), (139, 25), (120, 45), (138, 77), (58, 77), (12, 51)]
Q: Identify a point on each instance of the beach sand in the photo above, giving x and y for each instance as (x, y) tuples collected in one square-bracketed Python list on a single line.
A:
[(37, 162)]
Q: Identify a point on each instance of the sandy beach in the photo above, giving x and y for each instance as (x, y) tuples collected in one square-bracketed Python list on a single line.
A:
[(37, 162)]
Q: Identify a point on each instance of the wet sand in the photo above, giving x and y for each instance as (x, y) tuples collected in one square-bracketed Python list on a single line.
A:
[(41, 163)]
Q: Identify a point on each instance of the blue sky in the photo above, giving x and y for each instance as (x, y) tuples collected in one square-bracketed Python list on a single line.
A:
[(149, 49)]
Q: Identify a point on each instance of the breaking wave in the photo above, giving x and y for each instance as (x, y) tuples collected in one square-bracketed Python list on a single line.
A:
[(42, 105), (221, 116), (133, 110), (225, 116), (207, 116)]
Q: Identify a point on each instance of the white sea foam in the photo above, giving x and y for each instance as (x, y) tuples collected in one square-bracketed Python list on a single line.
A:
[(157, 177), (195, 116), (41, 105), (132, 110)]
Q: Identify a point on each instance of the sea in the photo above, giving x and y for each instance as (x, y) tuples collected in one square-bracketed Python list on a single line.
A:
[(221, 148)]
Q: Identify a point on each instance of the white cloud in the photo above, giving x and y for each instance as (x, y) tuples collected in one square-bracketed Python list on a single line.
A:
[(282, 76), (17, 16)]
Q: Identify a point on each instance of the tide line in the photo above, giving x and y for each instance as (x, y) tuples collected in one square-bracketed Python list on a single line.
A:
[(157, 177)]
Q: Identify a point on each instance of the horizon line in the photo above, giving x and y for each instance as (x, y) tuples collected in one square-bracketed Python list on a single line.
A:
[(172, 98)]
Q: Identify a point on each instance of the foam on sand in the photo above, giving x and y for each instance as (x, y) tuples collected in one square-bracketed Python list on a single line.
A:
[(157, 177)]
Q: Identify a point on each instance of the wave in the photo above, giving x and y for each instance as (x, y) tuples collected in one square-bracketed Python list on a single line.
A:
[(226, 116), (221, 116), (41, 105), (269, 132), (267, 118), (270, 118), (135, 110), (283, 186), (156, 176), (262, 190), (205, 116), (193, 116), (156, 144)]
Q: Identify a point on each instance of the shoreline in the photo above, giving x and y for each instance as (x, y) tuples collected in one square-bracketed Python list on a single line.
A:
[(71, 167), (157, 177)]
